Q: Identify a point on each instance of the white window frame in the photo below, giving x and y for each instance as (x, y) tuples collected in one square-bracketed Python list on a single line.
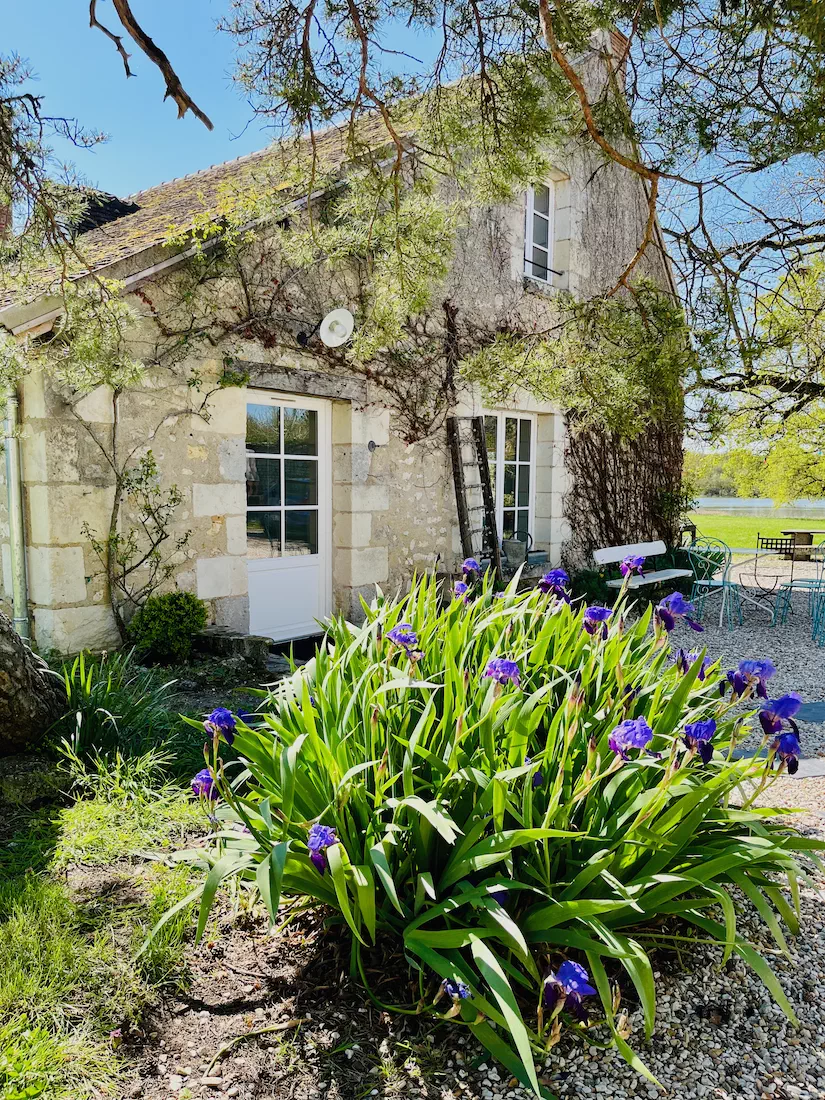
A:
[(529, 245), (501, 416)]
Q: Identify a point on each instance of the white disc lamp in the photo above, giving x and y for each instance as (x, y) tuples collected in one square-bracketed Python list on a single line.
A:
[(336, 328)]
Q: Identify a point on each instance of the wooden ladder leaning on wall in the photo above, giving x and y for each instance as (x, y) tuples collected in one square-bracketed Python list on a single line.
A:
[(473, 494)]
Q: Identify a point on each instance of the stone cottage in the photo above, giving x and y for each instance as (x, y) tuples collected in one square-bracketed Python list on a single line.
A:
[(299, 492)]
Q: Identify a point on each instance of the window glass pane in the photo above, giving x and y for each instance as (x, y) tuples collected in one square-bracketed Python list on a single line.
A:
[(541, 262), (539, 230), (509, 485), (300, 432), (300, 482), (510, 429), (525, 429), (523, 487), (262, 428), (490, 431), (508, 526), (541, 198), (522, 524), (263, 534), (301, 535), (263, 481)]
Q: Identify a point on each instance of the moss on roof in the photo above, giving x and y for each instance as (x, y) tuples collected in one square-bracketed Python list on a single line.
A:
[(172, 206)]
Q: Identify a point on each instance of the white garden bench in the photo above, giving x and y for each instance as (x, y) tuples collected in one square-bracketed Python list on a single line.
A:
[(612, 555)]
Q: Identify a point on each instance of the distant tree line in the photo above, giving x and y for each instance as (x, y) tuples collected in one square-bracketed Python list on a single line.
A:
[(786, 471)]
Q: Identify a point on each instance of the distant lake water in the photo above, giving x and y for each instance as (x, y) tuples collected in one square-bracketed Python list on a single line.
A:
[(761, 506)]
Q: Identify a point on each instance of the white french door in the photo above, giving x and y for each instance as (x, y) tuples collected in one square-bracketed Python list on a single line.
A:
[(511, 450), (288, 515)]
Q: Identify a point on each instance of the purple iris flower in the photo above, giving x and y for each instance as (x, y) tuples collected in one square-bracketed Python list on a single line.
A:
[(698, 737), (471, 569), (674, 607), (685, 661), (775, 711), (752, 674), (633, 733), (538, 778), (203, 784), (403, 635), (554, 583), (501, 894), (461, 590), (501, 670), (222, 721), (595, 618), (320, 837), (568, 986), (456, 989), (788, 749), (633, 563)]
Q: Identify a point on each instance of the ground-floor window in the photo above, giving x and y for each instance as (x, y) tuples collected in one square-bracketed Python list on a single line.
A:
[(511, 450), (281, 480)]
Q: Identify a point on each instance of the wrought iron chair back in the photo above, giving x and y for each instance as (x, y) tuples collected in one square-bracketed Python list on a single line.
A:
[(784, 546), (709, 559)]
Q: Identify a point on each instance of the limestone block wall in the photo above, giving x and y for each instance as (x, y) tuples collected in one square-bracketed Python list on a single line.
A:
[(68, 483)]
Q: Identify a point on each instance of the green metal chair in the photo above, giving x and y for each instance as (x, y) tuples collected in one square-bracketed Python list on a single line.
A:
[(813, 586), (710, 559)]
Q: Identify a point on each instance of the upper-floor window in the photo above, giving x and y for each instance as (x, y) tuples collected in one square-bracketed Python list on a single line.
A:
[(538, 233)]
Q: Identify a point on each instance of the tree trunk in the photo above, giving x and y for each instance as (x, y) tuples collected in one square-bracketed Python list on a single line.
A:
[(31, 696)]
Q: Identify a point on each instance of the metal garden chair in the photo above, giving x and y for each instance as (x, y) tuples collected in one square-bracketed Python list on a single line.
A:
[(710, 559), (813, 586)]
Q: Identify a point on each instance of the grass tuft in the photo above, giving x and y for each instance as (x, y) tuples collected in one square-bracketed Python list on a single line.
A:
[(96, 832)]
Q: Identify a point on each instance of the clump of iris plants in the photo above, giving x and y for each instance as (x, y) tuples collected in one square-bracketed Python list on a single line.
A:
[(517, 799)]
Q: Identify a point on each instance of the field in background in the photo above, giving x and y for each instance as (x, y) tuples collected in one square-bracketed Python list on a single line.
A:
[(741, 530)]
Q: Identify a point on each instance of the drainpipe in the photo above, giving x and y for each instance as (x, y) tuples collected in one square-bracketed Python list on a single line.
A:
[(17, 536)]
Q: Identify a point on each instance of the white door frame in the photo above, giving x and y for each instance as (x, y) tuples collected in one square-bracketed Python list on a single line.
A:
[(324, 410), (501, 416)]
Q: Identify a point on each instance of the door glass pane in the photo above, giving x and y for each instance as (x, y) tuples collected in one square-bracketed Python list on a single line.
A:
[(300, 432), (510, 427), (263, 534), (523, 486), (301, 533), (524, 435), (540, 230), (541, 198), (490, 431), (262, 428), (508, 526), (509, 485), (522, 523), (263, 481), (540, 263), (300, 482)]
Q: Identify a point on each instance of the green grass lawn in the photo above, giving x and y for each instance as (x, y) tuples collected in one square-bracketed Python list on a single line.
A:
[(738, 530)]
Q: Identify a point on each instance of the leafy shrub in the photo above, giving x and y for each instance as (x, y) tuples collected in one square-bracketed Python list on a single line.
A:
[(114, 703), (165, 627), (591, 585), (454, 791)]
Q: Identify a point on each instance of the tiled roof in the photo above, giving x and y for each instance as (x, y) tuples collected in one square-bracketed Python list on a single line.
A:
[(173, 205)]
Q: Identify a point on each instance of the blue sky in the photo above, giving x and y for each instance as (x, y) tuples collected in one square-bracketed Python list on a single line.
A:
[(80, 74)]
